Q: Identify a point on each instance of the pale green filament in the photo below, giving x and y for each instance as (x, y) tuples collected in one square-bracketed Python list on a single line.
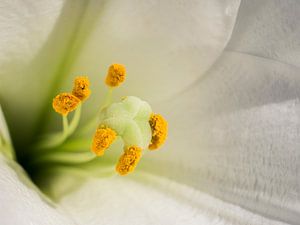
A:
[(65, 124), (107, 99), (64, 157), (54, 140)]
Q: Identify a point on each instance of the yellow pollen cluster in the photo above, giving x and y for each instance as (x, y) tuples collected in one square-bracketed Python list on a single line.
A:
[(65, 103), (159, 127), (81, 88), (129, 160), (116, 75), (103, 138)]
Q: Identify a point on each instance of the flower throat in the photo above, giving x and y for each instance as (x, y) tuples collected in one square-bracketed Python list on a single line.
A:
[(129, 122)]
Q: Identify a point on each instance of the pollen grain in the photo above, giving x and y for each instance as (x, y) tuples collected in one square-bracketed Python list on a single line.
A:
[(81, 87), (159, 127), (129, 160), (64, 103), (116, 75), (103, 138)]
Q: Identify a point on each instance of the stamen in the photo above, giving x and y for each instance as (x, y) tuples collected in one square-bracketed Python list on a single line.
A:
[(65, 103), (116, 75), (81, 88), (159, 127), (103, 138), (129, 160), (131, 121)]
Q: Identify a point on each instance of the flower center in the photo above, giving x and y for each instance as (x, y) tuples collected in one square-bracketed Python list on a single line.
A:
[(129, 122)]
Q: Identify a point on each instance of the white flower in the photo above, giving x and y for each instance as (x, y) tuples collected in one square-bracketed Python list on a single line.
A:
[(225, 75)]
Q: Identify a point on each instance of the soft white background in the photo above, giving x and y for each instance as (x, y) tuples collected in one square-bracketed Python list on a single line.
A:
[(224, 73)]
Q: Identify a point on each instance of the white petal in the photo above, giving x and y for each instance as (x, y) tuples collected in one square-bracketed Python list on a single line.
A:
[(161, 42), (33, 47), (270, 29), (25, 27), (235, 134), (165, 45), (146, 199), (20, 201)]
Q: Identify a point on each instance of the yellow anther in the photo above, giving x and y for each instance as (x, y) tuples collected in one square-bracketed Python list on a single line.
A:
[(81, 88), (103, 138), (129, 160), (159, 127), (116, 75), (65, 103)]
